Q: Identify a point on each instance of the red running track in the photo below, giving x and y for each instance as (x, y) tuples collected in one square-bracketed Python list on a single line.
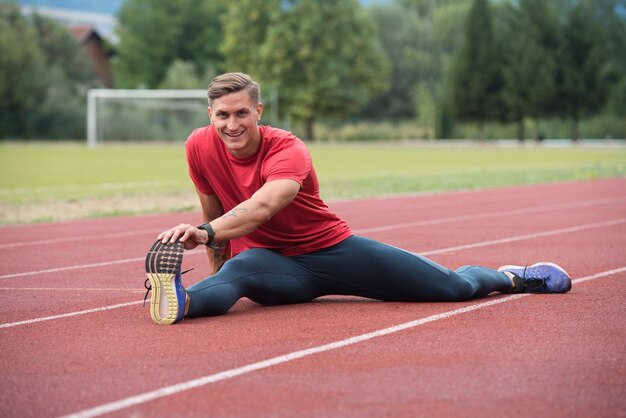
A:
[(75, 338)]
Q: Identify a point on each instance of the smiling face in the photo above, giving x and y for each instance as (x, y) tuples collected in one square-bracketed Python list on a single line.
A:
[(235, 117)]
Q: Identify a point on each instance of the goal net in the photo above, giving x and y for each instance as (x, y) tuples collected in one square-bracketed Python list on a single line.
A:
[(144, 115)]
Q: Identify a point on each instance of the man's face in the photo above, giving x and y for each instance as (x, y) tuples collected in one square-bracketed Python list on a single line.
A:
[(235, 117)]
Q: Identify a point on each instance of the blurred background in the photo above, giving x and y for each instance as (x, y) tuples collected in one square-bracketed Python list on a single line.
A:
[(336, 70)]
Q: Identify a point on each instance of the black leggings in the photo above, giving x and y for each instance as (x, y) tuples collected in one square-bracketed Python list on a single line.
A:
[(356, 266)]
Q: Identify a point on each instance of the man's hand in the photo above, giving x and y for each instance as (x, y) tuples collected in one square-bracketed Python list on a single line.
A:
[(188, 234)]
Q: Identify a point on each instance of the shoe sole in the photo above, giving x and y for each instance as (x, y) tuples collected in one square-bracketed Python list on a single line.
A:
[(162, 263)]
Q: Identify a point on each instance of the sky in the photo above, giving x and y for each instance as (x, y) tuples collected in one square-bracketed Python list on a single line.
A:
[(97, 13), (108, 7)]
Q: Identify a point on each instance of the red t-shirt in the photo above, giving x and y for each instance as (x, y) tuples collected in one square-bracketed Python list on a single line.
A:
[(303, 226)]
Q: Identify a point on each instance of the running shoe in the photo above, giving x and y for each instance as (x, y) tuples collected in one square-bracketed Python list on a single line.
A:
[(539, 278), (167, 302)]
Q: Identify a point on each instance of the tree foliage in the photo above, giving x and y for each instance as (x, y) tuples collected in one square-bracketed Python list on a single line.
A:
[(585, 64), (515, 60), (530, 51), (424, 36), (45, 77), (183, 75), (325, 58), (399, 34), (155, 33), (22, 64), (69, 75), (447, 39), (246, 23), (476, 75)]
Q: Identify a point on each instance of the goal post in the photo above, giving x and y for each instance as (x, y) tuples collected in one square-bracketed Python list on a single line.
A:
[(140, 103)]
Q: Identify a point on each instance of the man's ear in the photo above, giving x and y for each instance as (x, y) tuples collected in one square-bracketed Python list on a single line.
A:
[(210, 112), (259, 111)]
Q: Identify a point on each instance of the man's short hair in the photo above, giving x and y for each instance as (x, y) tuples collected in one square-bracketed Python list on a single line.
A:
[(232, 83)]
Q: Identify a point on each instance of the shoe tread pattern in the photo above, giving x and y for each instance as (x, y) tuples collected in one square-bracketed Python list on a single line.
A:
[(162, 264)]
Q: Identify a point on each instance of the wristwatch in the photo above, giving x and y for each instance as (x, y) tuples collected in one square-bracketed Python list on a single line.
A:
[(209, 229)]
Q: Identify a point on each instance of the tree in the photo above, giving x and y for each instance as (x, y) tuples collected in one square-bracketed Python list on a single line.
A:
[(614, 24), (183, 75), (246, 23), (70, 74), (533, 40), (586, 67), (23, 81), (154, 33), (399, 35), (45, 77), (325, 58), (419, 37), (476, 77), (446, 41), (515, 78)]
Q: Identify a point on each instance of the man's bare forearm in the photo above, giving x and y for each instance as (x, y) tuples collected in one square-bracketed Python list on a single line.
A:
[(253, 212)]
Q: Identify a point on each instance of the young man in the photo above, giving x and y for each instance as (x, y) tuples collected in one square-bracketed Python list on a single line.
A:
[(263, 213)]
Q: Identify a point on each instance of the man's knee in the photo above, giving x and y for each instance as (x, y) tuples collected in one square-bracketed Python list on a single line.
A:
[(252, 260)]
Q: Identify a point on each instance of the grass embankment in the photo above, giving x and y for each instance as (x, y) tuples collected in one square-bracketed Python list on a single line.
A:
[(47, 182)]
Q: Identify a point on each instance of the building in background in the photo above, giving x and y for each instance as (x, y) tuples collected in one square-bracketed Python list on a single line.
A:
[(91, 22), (100, 15), (93, 45)]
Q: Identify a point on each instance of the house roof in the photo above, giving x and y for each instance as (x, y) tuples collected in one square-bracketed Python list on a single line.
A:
[(83, 32)]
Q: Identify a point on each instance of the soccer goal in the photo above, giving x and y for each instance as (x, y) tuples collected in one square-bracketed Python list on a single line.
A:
[(143, 115)]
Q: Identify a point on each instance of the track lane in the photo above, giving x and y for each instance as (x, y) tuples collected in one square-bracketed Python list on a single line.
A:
[(118, 295), (52, 257), (244, 335), (496, 360)]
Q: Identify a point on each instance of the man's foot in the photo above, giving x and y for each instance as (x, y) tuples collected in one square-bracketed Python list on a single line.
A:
[(539, 278), (167, 302)]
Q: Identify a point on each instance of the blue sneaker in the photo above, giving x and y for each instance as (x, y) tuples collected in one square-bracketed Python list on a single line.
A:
[(539, 278), (167, 303)]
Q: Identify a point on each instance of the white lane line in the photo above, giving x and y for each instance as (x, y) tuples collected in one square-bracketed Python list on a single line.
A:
[(69, 314), (84, 266), (76, 267), (285, 358), (81, 238), (527, 236), (462, 218), (443, 250), (513, 212)]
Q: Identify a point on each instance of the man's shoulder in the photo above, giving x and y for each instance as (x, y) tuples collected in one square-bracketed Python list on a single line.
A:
[(272, 133), (200, 137), (279, 138), (200, 133)]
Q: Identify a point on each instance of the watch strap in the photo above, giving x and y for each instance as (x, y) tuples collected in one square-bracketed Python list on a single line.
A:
[(209, 229)]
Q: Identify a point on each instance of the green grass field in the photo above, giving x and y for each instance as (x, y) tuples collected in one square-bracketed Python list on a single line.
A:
[(70, 175)]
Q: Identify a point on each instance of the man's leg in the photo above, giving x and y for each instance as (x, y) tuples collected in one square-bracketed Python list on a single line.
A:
[(262, 275), (365, 267)]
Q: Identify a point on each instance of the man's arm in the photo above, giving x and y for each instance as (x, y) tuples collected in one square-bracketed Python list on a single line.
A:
[(242, 219), (260, 208)]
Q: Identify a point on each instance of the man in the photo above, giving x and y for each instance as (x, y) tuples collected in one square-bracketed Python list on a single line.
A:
[(263, 213)]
